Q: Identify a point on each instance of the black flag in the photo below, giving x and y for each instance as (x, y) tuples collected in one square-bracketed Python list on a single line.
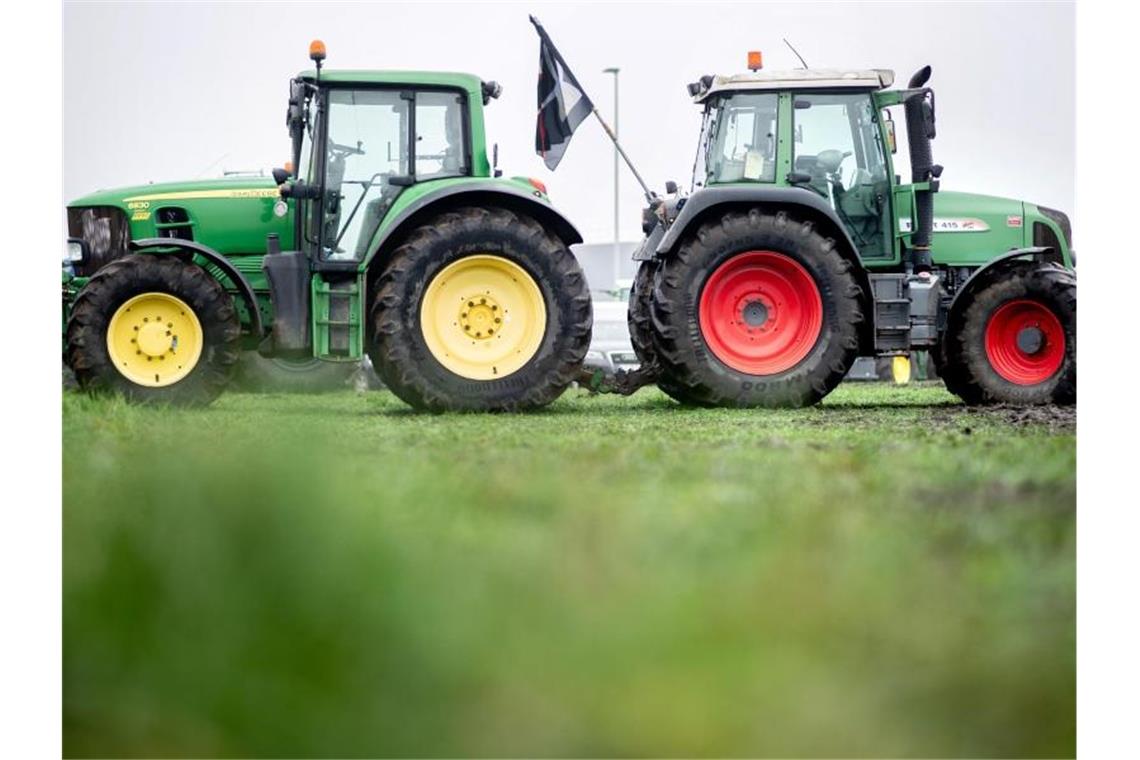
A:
[(562, 104)]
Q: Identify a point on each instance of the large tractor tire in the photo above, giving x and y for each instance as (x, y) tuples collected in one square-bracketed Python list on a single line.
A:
[(640, 321), (310, 375), (1014, 340), (480, 309), (756, 310), (156, 330)]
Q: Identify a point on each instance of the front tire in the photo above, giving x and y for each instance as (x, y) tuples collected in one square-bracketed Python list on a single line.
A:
[(481, 309), (154, 329), (757, 310), (279, 375), (1014, 340)]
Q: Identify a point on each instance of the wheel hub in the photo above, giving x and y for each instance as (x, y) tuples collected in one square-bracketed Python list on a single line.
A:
[(480, 317), (1030, 339), (755, 313), (154, 339)]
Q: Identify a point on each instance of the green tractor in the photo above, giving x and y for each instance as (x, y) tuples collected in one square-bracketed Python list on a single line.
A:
[(800, 249), (391, 234)]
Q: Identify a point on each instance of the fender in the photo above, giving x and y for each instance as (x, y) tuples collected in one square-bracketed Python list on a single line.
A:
[(781, 196), (1039, 253), (478, 192), (705, 201), (245, 290)]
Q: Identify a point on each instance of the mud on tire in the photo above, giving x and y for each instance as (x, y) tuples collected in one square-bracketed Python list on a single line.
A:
[(400, 353), (685, 354), (963, 360), (117, 282)]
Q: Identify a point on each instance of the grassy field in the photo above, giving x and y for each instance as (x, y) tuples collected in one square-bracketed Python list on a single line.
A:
[(888, 574)]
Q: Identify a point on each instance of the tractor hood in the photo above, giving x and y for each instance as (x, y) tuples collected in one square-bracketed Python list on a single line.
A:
[(197, 189), (232, 215), (969, 227)]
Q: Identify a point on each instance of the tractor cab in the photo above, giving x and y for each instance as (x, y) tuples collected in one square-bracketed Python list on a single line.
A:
[(360, 138), (800, 247), (821, 130)]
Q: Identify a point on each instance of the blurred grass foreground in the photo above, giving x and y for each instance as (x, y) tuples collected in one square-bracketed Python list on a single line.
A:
[(889, 574)]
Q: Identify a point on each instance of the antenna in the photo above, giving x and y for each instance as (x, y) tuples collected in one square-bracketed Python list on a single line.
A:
[(796, 52)]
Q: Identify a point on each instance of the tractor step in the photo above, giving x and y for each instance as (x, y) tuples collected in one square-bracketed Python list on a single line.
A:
[(337, 326), (906, 312)]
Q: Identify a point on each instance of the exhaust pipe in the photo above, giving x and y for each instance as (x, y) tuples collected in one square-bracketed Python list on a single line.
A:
[(919, 110)]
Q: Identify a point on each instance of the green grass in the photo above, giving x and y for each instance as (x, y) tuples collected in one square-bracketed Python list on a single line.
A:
[(888, 574)]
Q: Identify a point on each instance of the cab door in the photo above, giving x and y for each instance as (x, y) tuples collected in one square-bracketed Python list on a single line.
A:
[(839, 144)]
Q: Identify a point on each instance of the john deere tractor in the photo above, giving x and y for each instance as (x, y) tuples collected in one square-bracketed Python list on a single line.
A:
[(800, 248), (391, 233)]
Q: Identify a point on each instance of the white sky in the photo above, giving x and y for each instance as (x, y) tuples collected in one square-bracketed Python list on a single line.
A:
[(170, 91)]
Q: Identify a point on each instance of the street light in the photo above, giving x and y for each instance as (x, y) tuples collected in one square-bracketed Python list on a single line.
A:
[(617, 236)]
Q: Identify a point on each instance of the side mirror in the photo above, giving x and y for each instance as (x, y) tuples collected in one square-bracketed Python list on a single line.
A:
[(892, 143), (670, 187), (281, 176)]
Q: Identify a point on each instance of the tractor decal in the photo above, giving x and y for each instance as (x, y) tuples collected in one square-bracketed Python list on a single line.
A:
[(944, 224)]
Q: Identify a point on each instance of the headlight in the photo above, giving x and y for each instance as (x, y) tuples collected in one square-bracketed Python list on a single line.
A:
[(596, 356), (76, 252)]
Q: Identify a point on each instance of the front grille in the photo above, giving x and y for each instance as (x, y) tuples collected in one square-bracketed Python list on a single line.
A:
[(173, 222), (106, 232), (1043, 235), (1062, 221)]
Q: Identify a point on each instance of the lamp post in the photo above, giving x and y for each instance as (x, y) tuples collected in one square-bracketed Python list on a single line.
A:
[(617, 235)]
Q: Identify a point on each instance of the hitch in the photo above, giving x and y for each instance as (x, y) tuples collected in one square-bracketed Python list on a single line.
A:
[(622, 382)]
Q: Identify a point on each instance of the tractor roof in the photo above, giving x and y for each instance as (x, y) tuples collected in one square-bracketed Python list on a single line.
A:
[(468, 82), (798, 79)]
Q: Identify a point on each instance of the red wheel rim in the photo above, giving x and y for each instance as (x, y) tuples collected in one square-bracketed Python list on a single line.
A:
[(761, 313), (1025, 342)]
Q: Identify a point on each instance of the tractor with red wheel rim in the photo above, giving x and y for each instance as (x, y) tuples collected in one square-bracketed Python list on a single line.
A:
[(799, 249)]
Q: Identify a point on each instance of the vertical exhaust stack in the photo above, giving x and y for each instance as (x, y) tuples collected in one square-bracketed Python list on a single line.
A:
[(919, 110)]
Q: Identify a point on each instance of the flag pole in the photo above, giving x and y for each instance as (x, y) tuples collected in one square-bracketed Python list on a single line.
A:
[(648, 193), (649, 196)]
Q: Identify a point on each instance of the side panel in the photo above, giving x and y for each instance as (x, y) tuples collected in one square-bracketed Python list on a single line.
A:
[(970, 229), (228, 220)]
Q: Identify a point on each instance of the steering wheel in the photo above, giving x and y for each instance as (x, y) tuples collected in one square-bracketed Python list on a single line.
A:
[(342, 151)]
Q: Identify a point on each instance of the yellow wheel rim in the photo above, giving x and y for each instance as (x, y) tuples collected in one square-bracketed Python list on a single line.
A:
[(483, 317), (154, 339)]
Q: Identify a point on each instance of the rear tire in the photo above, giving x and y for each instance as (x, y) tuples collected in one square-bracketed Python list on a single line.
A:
[(768, 273), (640, 321), (981, 360), (101, 310), (418, 351)]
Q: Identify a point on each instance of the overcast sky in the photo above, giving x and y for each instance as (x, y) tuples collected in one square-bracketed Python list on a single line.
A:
[(169, 91)]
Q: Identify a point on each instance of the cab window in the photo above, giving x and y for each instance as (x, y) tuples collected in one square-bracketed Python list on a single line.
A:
[(441, 149)]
